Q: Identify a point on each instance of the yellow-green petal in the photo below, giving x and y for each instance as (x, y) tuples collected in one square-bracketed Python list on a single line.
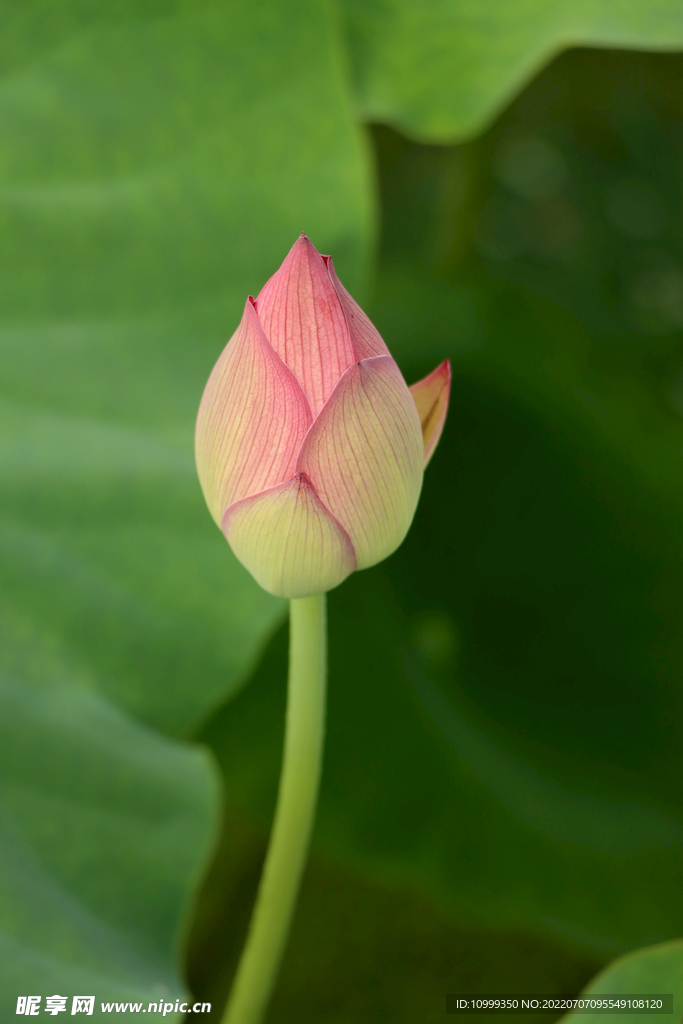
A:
[(289, 541), (364, 456)]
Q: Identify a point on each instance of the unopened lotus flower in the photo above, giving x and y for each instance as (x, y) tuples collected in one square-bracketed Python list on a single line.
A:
[(310, 446)]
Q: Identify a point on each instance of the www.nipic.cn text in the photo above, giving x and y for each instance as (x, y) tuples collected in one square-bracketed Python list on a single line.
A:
[(31, 1006)]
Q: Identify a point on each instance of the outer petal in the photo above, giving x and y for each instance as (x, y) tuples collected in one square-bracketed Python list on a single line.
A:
[(366, 339), (252, 419), (431, 396), (290, 543), (364, 457), (302, 316)]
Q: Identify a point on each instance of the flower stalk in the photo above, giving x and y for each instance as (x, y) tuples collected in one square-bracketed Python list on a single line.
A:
[(294, 815)]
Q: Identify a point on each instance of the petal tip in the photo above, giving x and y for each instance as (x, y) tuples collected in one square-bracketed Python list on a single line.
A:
[(431, 396), (304, 320)]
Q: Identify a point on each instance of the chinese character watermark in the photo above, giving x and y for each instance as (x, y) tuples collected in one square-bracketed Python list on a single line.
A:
[(83, 1004), (28, 1005), (55, 1004)]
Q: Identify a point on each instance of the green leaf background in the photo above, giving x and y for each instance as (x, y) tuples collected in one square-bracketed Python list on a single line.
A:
[(501, 807), (658, 969)]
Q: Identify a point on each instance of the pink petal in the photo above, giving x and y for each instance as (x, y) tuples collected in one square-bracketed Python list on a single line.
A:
[(303, 317), (366, 339), (431, 396), (364, 456), (252, 419), (289, 541)]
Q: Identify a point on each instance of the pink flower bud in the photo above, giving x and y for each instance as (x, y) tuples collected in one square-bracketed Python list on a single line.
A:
[(310, 447)]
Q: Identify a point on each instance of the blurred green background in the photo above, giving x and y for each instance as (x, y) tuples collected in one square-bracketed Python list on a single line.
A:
[(501, 802), (501, 805)]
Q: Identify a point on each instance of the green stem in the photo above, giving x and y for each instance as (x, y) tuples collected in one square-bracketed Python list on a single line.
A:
[(297, 796)]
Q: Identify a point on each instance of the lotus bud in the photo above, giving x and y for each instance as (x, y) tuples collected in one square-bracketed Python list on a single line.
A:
[(310, 447)]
